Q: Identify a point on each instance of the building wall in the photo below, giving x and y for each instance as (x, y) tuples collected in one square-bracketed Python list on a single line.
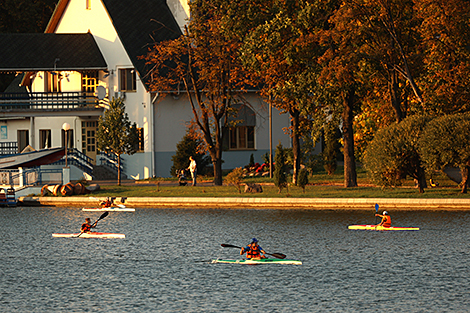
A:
[(77, 19), (172, 116), (180, 10)]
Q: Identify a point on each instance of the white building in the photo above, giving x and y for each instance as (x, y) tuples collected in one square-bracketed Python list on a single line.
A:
[(89, 54)]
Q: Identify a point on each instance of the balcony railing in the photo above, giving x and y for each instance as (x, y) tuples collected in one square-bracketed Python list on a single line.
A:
[(48, 100)]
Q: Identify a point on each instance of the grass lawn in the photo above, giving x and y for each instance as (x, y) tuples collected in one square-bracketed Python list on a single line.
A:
[(320, 186)]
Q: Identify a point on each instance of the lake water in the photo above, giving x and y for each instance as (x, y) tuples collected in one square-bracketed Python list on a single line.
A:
[(163, 264)]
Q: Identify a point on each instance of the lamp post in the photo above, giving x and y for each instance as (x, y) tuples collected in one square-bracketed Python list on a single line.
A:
[(66, 127)]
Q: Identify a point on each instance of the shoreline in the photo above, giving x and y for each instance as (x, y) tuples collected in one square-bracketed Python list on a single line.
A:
[(259, 203)]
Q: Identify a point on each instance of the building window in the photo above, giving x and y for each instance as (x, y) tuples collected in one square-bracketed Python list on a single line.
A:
[(23, 139), (88, 4), (52, 82), (69, 138), (90, 81), (242, 137), (44, 138), (127, 79)]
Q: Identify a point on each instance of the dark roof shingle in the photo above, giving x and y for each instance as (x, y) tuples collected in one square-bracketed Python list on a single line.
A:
[(139, 24), (39, 52)]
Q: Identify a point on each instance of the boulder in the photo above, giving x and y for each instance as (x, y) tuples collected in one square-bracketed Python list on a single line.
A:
[(251, 187)]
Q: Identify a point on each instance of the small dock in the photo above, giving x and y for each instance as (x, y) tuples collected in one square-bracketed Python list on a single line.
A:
[(7, 197)]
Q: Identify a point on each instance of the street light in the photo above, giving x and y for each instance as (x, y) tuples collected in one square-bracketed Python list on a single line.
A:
[(66, 127)]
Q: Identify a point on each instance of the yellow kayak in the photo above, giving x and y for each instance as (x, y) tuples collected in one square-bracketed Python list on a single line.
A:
[(381, 228)]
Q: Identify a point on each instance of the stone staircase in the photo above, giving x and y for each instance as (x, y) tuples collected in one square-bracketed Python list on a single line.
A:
[(101, 172)]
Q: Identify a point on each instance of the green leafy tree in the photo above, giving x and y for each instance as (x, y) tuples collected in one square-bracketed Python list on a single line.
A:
[(190, 145), (445, 142), (115, 133), (280, 178), (394, 153)]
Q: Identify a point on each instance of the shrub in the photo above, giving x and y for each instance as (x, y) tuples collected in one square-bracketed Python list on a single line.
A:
[(445, 142), (394, 153), (235, 178)]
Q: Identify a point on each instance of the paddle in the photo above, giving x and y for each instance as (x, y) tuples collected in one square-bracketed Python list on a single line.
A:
[(376, 212), (94, 224), (276, 255)]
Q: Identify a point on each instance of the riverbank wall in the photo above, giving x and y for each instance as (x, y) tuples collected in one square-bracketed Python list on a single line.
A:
[(257, 203)]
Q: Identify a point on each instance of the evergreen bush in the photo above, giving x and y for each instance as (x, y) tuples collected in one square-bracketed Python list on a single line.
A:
[(188, 146), (280, 178), (303, 179)]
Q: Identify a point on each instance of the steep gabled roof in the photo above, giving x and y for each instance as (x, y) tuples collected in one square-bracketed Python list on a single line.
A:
[(138, 23), (46, 52)]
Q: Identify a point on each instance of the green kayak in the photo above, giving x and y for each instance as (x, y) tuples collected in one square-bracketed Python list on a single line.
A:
[(261, 261)]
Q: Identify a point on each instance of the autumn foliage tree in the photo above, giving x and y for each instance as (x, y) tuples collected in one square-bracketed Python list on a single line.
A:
[(282, 51), (445, 33), (205, 60)]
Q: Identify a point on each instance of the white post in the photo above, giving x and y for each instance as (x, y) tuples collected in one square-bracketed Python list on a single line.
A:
[(21, 178), (65, 175), (66, 127)]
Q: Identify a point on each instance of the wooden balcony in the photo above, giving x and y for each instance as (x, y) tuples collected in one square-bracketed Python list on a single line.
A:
[(49, 101)]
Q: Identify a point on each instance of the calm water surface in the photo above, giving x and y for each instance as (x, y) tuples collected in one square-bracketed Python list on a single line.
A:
[(163, 265)]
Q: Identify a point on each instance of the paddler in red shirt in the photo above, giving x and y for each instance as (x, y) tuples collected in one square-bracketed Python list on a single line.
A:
[(386, 219), (87, 226), (253, 251)]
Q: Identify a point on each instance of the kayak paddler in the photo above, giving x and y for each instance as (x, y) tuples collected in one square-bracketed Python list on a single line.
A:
[(386, 219), (106, 204), (253, 251), (87, 226)]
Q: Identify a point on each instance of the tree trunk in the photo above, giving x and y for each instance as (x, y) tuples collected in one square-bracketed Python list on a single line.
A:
[(119, 169), (217, 163), (395, 95), (464, 182), (350, 176), (421, 180), (216, 158), (295, 145)]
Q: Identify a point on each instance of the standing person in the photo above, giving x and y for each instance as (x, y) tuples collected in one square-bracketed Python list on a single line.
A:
[(193, 169), (87, 226), (386, 219), (253, 251)]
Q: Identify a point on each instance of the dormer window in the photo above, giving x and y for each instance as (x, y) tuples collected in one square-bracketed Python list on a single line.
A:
[(127, 80)]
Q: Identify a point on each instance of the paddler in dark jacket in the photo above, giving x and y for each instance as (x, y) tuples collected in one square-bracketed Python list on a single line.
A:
[(386, 219), (87, 226), (253, 250)]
